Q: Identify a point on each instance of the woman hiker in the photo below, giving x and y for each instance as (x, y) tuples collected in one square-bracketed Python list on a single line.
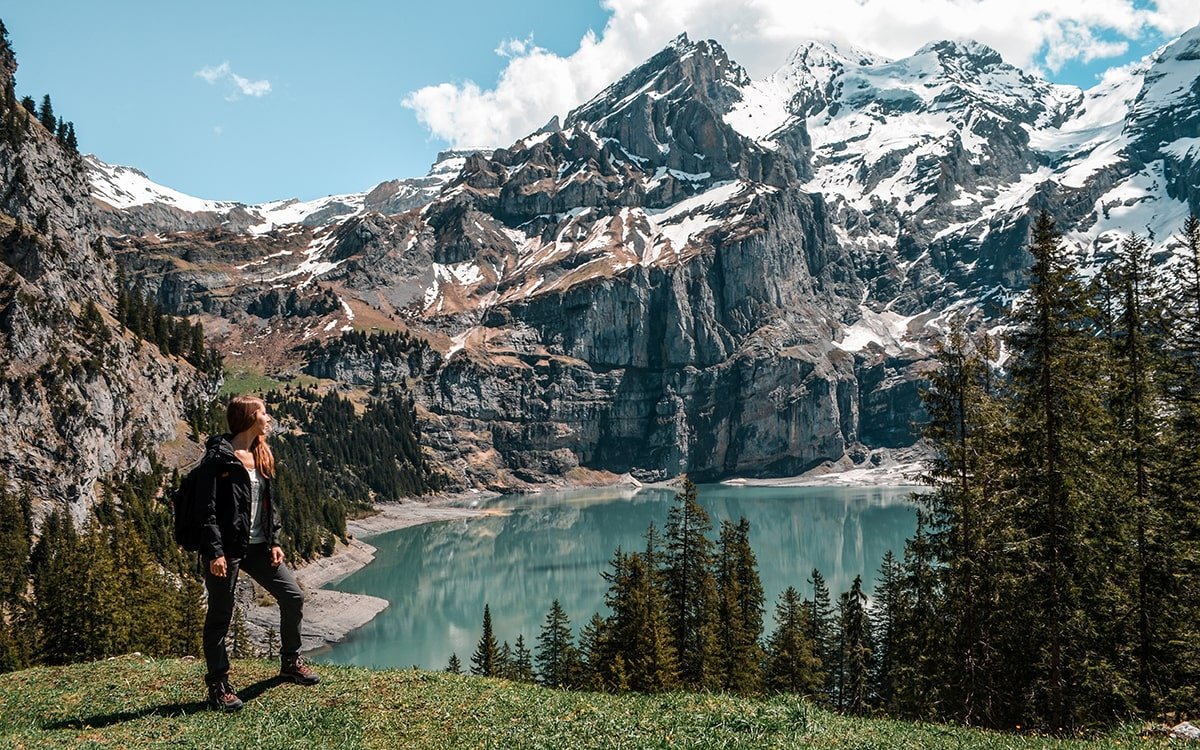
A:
[(242, 533)]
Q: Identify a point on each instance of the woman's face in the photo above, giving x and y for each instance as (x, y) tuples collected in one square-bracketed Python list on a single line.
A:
[(262, 422)]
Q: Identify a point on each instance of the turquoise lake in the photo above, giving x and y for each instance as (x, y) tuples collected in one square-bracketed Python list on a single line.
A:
[(437, 577)]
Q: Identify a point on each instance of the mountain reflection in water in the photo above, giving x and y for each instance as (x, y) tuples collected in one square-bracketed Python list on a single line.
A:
[(555, 545)]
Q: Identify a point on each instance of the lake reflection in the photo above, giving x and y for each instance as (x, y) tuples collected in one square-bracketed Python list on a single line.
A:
[(554, 545)]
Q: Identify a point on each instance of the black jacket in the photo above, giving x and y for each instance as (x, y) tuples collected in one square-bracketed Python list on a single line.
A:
[(227, 528)]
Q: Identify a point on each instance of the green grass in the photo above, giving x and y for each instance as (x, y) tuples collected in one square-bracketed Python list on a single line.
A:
[(241, 380), (132, 702)]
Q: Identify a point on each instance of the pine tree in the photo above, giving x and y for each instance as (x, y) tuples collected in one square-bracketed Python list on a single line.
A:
[(272, 643), (46, 114), (486, 659), (1182, 474), (654, 555), (740, 609), (16, 639), (239, 639), (918, 666), (1140, 519), (144, 612), (188, 611), (888, 613), (555, 650), (81, 610), (14, 549), (821, 628), (504, 662), (593, 649), (855, 654), (1059, 421), (522, 662), (637, 636), (454, 666), (792, 663), (968, 521), (691, 590)]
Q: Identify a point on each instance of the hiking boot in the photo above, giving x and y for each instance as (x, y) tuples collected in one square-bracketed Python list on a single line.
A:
[(222, 698), (298, 671)]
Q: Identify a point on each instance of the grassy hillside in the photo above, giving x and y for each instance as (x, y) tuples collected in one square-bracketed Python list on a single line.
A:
[(139, 703)]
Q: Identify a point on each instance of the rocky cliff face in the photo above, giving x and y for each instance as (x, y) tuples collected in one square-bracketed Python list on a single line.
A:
[(81, 399), (699, 272)]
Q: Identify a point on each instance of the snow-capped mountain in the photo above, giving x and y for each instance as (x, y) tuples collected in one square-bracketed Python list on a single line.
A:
[(132, 203), (944, 153), (697, 271)]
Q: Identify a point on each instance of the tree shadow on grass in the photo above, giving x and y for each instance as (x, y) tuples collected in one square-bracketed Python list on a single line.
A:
[(166, 710)]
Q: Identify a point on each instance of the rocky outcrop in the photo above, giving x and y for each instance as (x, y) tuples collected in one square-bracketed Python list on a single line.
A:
[(81, 399)]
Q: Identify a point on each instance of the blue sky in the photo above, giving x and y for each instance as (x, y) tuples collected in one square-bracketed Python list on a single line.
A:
[(333, 121), (265, 99)]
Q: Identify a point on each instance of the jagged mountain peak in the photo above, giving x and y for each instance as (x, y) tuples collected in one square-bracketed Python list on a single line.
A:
[(684, 69), (1171, 81), (824, 80), (668, 113), (802, 86), (828, 53), (950, 51)]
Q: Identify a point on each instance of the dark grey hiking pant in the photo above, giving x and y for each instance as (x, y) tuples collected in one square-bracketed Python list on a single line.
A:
[(282, 585)]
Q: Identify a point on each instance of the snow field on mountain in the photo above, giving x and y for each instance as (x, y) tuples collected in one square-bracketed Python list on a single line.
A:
[(1137, 205), (886, 329), (313, 264), (125, 187), (281, 213)]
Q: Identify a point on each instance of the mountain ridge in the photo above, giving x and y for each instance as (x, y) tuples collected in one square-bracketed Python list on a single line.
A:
[(737, 277)]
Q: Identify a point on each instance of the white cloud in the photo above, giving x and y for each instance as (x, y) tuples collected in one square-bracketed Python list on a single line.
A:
[(214, 73), (241, 86), (515, 47), (1175, 16), (537, 84), (251, 88), (1073, 41)]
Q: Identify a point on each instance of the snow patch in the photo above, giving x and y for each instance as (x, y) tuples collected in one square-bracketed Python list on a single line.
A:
[(887, 329)]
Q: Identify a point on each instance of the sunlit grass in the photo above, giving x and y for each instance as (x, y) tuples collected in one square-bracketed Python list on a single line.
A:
[(240, 380), (147, 703)]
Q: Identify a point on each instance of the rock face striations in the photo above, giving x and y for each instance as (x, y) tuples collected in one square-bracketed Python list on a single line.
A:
[(695, 271), (81, 398)]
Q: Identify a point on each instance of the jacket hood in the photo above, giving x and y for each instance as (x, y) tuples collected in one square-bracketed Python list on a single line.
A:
[(218, 446)]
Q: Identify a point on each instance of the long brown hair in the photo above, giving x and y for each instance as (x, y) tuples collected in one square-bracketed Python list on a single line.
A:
[(241, 414)]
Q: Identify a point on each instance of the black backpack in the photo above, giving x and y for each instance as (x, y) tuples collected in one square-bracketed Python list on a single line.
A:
[(190, 506)]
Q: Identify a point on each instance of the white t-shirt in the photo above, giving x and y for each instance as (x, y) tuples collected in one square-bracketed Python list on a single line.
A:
[(257, 536)]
